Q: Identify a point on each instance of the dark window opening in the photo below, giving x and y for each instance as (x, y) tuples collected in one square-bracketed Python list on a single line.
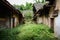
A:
[(52, 22), (13, 22)]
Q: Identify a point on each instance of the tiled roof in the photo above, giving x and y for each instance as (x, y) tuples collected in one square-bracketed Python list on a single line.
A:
[(38, 6), (9, 6)]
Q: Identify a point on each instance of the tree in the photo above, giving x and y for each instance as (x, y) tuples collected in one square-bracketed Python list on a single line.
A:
[(23, 7), (28, 6), (39, 1)]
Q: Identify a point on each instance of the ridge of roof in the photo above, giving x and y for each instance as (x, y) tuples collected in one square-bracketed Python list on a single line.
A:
[(7, 4)]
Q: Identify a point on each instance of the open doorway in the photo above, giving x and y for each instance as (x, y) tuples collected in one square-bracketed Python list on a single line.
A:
[(13, 22), (52, 23)]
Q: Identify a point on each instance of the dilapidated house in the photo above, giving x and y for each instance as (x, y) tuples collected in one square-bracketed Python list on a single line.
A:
[(45, 13), (9, 16)]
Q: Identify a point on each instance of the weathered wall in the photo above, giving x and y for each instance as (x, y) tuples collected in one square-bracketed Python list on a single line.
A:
[(16, 20), (44, 20), (8, 22), (47, 21), (57, 20), (57, 4), (4, 23), (57, 25)]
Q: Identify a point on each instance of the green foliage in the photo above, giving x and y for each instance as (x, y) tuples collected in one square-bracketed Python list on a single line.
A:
[(16, 6), (22, 7), (28, 6), (9, 34), (35, 32), (27, 31), (39, 1), (28, 15)]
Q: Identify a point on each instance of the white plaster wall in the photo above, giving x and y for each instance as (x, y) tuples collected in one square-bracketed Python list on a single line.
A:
[(39, 20), (57, 20), (57, 26)]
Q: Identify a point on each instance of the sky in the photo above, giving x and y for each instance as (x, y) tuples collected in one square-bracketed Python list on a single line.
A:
[(19, 2)]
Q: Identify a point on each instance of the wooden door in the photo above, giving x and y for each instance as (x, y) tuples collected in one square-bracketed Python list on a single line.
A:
[(3, 23), (13, 22), (52, 23)]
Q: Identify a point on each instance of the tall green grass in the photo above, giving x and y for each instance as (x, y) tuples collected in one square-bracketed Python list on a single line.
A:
[(27, 31)]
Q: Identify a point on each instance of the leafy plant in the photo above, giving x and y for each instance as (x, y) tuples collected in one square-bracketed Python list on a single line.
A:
[(35, 32), (27, 31)]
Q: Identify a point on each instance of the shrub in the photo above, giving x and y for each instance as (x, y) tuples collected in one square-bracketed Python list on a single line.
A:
[(9, 34), (35, 32), (28, 14), (27, 32)]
